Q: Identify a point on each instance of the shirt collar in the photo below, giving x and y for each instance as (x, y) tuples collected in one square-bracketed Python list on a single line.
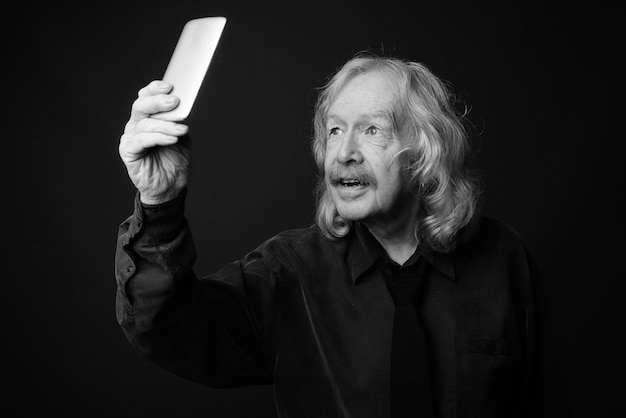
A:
[(366, 250)]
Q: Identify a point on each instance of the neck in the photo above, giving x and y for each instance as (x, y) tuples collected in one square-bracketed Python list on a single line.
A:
[(398, 246), (396, 234)]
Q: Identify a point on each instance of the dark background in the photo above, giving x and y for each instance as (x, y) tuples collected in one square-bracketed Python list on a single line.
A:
[(543, 84)]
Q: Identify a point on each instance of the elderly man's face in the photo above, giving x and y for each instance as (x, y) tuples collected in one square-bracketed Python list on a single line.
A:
[(362, 166)]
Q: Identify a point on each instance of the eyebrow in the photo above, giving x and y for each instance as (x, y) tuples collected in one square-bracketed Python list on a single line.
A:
[(382, 114)]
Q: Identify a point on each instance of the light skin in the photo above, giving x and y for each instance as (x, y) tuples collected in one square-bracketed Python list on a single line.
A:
[(363, 146), (156, 158)]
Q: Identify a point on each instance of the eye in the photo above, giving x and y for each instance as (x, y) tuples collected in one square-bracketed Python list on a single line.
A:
[(372, 130), (334, 131)]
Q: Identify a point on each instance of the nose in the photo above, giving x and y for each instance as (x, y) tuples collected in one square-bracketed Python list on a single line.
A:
[(350, 149)]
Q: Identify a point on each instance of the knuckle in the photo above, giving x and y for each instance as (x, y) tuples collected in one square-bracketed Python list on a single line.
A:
[(123, 146), (150, 89), (142, 141), (127, 140), (143, 91), (136, 106), (143, 125)]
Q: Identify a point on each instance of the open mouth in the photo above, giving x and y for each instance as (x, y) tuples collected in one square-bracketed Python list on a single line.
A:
[(350, 182)]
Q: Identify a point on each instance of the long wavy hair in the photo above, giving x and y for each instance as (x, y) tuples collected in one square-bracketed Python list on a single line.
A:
[(436, 147)]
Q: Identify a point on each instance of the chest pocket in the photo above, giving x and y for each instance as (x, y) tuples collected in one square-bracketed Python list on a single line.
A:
[(488, 374)]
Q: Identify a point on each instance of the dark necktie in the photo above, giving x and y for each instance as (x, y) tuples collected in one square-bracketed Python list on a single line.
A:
[(411, 394)]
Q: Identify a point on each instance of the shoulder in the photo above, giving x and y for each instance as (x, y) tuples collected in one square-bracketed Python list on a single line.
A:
[(491, 237), (497, 230), (495, 257), (297, 238), (302, 246), (494, 261)]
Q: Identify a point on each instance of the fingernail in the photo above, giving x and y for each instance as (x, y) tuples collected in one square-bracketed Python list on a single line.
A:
[(164, 85)]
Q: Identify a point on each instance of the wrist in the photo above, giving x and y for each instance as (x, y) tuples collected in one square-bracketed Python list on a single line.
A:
[(158, 200), (160, 222)]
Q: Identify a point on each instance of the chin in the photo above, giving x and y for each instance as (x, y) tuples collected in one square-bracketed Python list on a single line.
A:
[(352, 211), (355, 208)]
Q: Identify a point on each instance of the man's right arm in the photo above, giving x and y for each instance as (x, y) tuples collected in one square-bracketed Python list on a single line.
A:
[(203, 330), (206, 330)]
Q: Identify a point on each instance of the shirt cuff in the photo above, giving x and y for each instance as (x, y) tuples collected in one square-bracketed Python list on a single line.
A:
[(160, 223)]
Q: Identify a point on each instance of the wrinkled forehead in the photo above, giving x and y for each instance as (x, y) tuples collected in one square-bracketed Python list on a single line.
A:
[(372, 95)]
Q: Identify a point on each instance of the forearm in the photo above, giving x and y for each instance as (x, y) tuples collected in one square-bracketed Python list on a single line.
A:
[(165, 315), (157, 304)]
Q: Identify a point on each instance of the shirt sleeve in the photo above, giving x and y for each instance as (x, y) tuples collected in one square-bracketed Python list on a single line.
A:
[(217, 330)]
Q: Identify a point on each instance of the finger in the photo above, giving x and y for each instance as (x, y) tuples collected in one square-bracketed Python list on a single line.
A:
[(133, 147), (155, 87), (145, 106), (150, 140), (150, 125)]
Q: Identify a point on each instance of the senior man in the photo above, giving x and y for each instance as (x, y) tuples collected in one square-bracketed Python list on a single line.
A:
[(399, 301)]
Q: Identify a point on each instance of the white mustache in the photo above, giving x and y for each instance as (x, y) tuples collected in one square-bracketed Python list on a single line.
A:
[(353, 172)]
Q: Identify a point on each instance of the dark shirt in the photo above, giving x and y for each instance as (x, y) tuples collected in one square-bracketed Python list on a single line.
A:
[(314, 317)]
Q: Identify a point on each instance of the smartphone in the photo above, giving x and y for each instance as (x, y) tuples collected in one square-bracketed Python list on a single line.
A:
[(190, 62)]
